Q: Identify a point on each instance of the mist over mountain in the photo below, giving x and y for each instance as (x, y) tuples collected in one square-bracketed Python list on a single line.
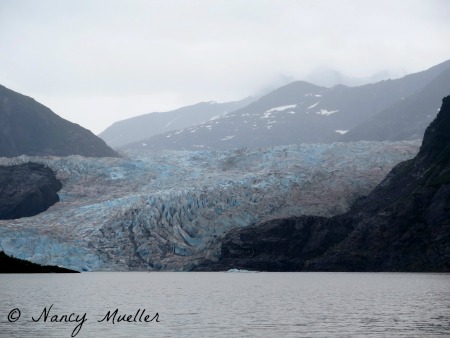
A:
[(327, 77), (145, 126), (301, 112), (29, 128)]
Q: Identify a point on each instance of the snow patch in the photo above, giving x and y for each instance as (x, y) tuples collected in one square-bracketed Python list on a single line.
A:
[(326, 112), (170, 122), (315, 104), (266, 115), (342, 132), (226, 138), (281, 108)]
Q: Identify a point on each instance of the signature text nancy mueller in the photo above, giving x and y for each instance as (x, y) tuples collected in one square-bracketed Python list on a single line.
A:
[(112, 317)]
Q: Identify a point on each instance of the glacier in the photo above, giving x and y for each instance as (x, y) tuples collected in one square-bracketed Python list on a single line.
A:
[(167, 210)]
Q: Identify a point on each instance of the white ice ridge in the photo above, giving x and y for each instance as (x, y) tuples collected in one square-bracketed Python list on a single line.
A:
[(342, 132), (226, 138), (281, 108), (326, 112)]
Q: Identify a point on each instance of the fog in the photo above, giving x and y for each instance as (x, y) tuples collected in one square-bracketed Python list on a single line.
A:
[(96, 62)]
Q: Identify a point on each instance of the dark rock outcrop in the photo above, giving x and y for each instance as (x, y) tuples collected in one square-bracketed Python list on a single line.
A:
[(403, 225), (29, 128), (26, 190), (278, 245), (14, 265)]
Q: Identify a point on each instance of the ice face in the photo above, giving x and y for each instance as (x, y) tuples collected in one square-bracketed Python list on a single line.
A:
[(167, 210)]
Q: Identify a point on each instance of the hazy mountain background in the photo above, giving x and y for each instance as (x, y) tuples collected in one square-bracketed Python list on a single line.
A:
[(144, 126), (301, 112)]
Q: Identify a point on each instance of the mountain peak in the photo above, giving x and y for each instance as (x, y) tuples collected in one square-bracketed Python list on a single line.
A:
[(29, 128), (437, 137)]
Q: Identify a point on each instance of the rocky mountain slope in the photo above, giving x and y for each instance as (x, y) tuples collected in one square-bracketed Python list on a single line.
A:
[(29, 128), (166, 210), (408, 118), (26, 190), (403, 225), (145, 126), (304, 113)]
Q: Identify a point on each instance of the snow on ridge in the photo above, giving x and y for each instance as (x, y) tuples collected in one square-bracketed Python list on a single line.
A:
[(281, 108), (226, 138), (315, 104), (342, 132), (326, 112), (218, 116), (170, 122)]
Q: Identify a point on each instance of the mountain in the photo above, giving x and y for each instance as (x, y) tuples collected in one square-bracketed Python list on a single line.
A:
[(403, 225), (29, 128), (301, 112), (27, 190), (145, 126), (406, 119)]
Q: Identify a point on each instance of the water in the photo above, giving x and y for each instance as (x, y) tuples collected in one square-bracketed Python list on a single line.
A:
[(229, 304)]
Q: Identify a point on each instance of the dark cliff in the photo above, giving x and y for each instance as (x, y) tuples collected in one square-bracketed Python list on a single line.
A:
[(26, 190), (29, 128), (403, 225), (14, 265)]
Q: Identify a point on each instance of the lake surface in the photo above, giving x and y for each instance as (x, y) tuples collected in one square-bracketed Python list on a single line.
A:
[(226, 304)]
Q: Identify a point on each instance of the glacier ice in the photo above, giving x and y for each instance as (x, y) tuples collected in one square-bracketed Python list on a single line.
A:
[(166, 210)]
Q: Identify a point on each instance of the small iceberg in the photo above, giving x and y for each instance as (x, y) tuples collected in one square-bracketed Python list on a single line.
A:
[(242, 271)]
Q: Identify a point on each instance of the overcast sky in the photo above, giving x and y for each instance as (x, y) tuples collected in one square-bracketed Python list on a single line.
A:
[(95, 62)]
